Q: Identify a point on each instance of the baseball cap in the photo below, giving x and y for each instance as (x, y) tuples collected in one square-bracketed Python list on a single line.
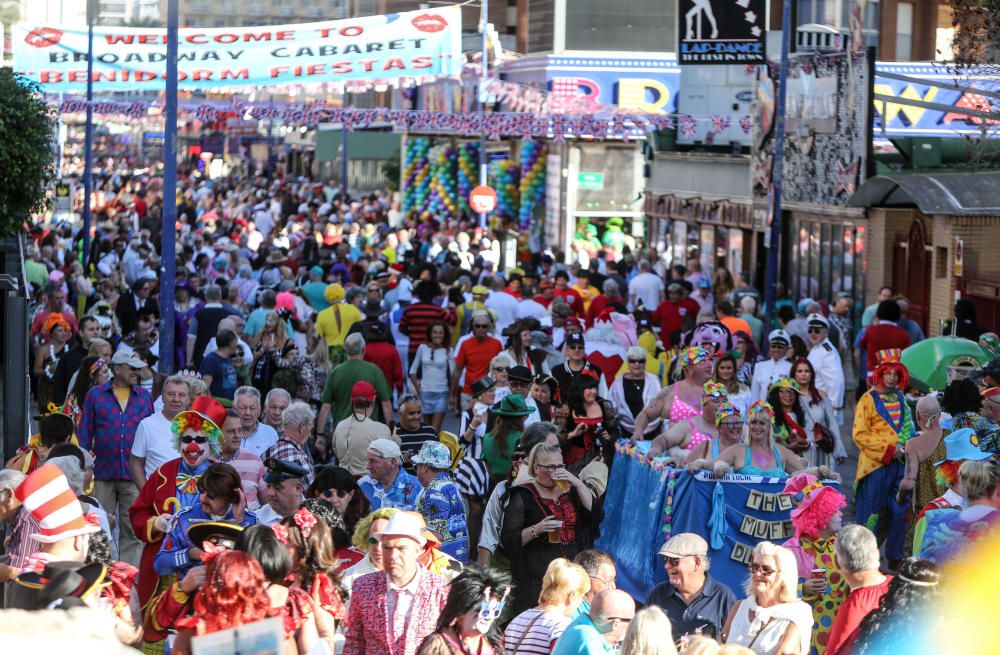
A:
[(685, 544), (129, 358), (363, 391), (574, 339), (386, 448), (779, 335), (704, 283)]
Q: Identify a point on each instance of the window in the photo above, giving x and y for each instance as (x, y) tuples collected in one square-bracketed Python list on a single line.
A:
[(904, 31)]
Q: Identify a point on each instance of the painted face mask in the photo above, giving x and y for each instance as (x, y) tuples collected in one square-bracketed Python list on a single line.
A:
[(489, 610)]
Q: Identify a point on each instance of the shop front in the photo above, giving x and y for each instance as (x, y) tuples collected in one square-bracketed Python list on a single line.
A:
[(715, 233), (826, 254)]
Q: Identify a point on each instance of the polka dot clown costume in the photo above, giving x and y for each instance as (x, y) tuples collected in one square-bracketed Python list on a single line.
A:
[(816, 517)]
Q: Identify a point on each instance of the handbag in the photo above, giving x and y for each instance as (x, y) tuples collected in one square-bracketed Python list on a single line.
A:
[(823, 438)]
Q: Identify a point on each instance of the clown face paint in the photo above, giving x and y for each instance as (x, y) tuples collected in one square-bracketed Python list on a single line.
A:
[(194, 447)]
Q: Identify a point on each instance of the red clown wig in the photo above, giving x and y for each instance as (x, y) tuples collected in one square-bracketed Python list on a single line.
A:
[(233, 593)]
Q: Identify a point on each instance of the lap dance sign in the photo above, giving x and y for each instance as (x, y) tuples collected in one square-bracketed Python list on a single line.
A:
[(647, 503), (409, 44)]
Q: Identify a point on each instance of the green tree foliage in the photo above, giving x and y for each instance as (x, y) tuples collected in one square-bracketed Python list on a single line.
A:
[(26, 160)]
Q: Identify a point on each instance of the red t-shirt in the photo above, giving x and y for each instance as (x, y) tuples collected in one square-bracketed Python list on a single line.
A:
[(851, 613), (879, 337), (572, 298), (669, 317), (475, 356)]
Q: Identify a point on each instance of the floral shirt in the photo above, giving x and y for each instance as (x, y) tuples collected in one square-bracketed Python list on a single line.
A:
[(987, 431), (442, 508), (402, 494)]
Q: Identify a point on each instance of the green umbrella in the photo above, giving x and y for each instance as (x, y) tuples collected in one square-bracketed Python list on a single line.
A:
[(932, 359)]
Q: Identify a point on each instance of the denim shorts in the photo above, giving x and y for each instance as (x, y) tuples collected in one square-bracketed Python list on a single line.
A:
[(434, 402)]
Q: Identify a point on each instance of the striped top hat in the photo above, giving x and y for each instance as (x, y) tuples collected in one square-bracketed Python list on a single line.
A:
[(47, 496)]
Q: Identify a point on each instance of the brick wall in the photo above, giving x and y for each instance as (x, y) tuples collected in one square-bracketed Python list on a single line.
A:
[(942, 287), (885, 226)]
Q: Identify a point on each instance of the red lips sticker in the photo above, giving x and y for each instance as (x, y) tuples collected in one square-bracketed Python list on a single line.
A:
[(43, 37), (429, 23)]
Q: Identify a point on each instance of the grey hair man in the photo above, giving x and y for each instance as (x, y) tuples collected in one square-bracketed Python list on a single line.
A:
[(337, 390), (257, 436), (857, 556), (275, 403), (297, 422)]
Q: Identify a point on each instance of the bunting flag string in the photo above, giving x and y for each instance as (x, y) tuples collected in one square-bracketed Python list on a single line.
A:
[(495, 124)]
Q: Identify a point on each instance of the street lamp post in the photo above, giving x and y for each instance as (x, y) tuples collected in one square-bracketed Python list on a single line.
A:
[(168, 229)]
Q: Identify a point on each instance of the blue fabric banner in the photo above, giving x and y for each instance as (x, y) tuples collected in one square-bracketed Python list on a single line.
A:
[(646, 503)]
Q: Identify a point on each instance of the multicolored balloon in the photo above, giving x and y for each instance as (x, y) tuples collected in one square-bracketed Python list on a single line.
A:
[(532, 188), (503, 176), (416, 174), (468, 174)]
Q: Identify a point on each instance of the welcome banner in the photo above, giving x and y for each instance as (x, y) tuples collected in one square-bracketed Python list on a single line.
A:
[(410, 44)]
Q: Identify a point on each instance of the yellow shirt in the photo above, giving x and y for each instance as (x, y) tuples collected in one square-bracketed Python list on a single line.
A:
[(122, 396), (335, 329), (874, 437)]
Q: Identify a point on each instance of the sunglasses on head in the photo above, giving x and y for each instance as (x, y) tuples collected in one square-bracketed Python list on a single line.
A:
[(189, 439)]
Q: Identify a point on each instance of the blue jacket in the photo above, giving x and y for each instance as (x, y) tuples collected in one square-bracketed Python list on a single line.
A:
[(173, 555)]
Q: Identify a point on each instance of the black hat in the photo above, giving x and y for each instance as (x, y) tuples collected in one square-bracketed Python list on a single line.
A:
[(371, 308), (482, 385), (224, 531), (574, 338), (520, 373), (34, 591), (278, 470)]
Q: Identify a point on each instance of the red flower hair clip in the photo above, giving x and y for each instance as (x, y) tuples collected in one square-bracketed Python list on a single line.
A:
[(305, 519), (281, 532)]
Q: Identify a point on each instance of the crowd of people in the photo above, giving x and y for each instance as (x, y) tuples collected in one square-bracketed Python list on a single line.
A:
[(299, 464)]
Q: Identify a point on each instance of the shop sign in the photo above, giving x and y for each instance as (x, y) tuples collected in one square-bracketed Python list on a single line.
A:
[(959, 258), (590, 181), (62, 205), (409, 44), (719, 33)]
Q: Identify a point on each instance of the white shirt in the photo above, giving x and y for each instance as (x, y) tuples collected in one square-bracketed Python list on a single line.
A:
[(528, 308), (764, 374), (505, 306), (155, 442), (262, 438), (646, 287), (266, 515), (829, 372)]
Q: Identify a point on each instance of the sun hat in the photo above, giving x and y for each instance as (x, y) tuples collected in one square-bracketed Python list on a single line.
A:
[(961, 445), (404, 524), (512, 405), (433, 454), (785, 383)]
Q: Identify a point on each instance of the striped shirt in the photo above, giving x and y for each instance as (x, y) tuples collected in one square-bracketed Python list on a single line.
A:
[(20, 545), (251, 470), (543, 629), (417, 318)]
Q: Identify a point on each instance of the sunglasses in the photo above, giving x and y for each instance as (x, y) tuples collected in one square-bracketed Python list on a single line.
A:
[(372, 541), (636, 361), (190, 439), (211, 496), (551, 468), (501, 368), (480, 326), (576, 347), (490, 610), (815, 330), (673, 561), (765, 571), (330, 493)]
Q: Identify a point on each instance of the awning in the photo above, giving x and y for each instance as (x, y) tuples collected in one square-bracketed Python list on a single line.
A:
[(949, 194)]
